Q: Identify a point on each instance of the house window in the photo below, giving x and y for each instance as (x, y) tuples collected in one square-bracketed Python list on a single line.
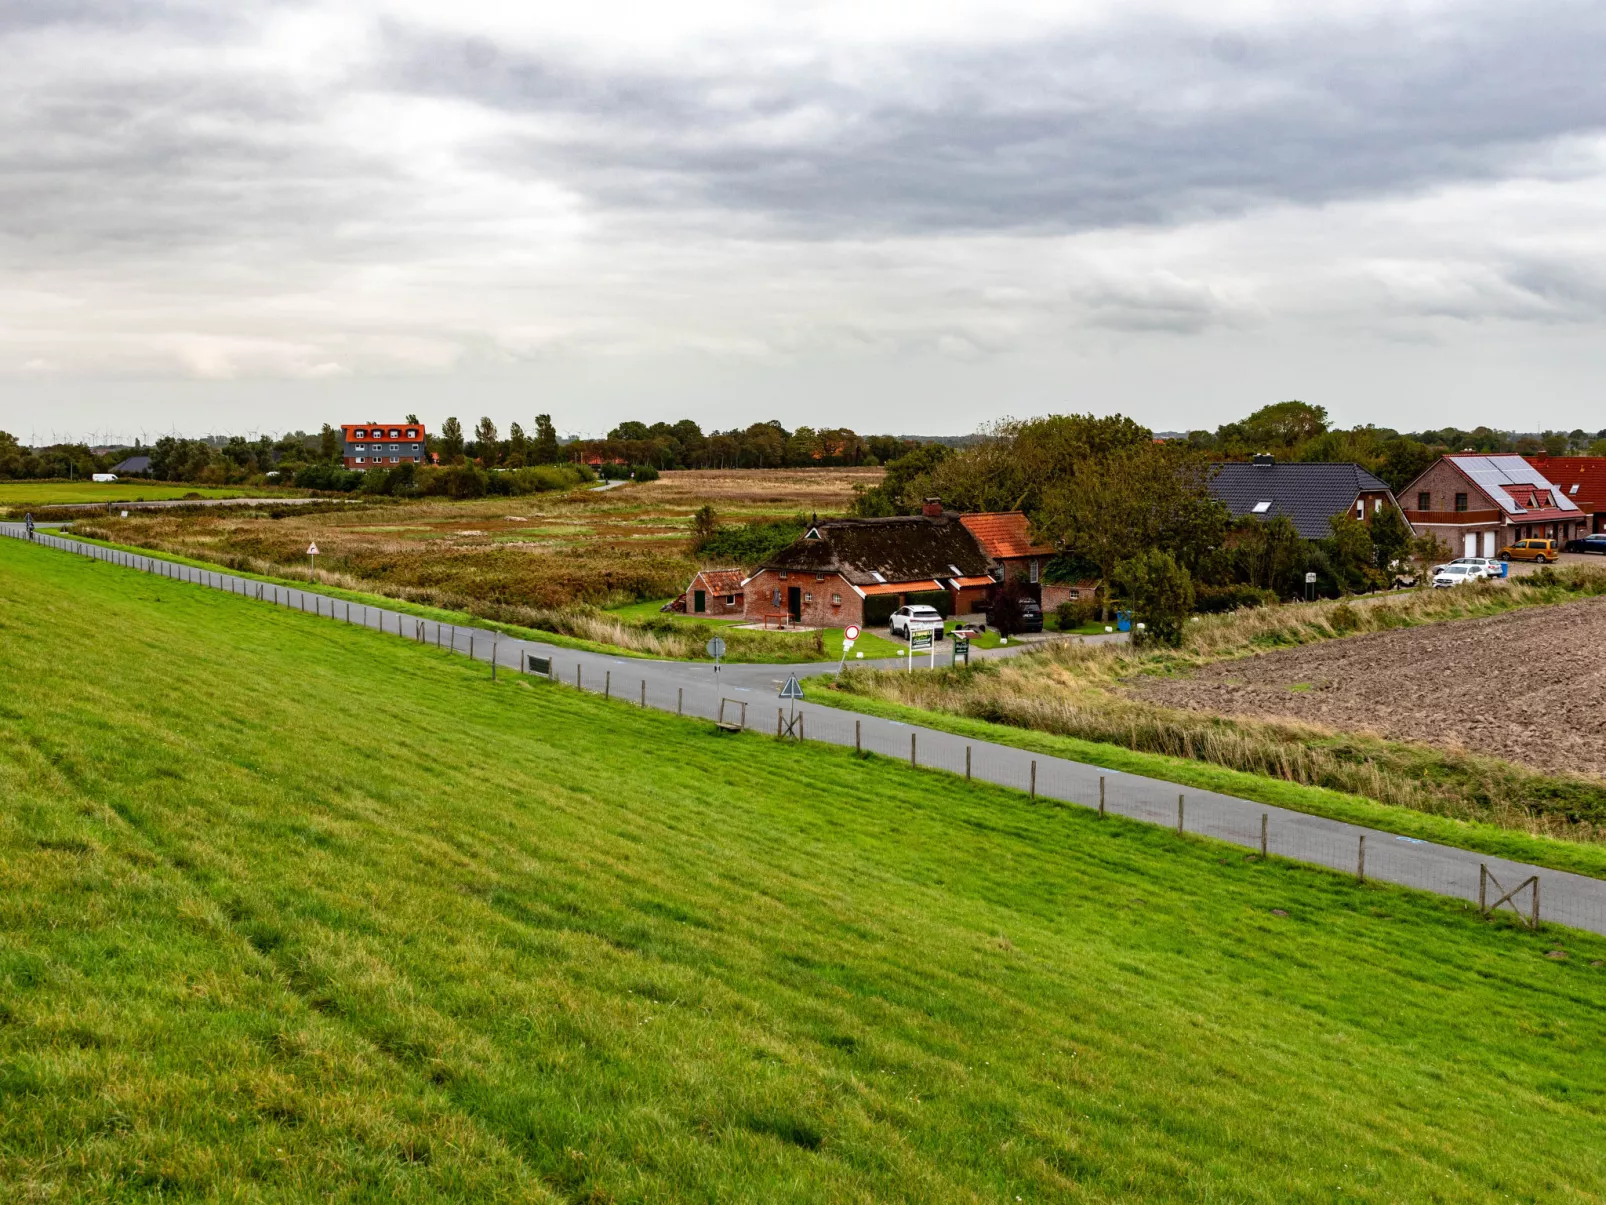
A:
[(1460, 502), (778, 598), (807, 597), (359, 434), (394, 434), (1423, 500), (1360, 508), (836, 600), (730, 600), (359, 460), (819, 577), (782, 576), (1034, 570), (1377, 506)]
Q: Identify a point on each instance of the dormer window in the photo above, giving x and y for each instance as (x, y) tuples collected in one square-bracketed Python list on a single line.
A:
[(1261, 508), (359, 434), (1573, 489)]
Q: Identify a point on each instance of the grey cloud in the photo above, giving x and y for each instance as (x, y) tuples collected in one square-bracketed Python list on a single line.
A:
[(1126, 126)]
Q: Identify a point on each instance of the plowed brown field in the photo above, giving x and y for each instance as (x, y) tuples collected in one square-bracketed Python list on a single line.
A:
[(1529, 686)]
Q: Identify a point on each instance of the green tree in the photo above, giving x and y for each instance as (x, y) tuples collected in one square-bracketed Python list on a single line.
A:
[(485, 441), (451, 441), (1109, 508), (413, 418), (328, 444), (518, 446), (704, 524), (1424, 552), (1349, 551), (1160, 593), (1390, 537), (546, 440), (1284, 425), (1404, 460)]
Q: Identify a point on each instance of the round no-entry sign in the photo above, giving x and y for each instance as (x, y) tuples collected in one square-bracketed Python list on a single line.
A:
[(851, 632)]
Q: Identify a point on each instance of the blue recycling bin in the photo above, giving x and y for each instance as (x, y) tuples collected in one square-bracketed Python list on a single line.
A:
[(1123, 621)]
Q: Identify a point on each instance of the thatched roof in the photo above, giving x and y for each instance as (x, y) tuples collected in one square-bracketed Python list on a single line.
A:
[(906, 548)]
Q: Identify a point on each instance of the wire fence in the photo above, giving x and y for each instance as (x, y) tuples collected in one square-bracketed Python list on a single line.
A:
[(1260, 830)]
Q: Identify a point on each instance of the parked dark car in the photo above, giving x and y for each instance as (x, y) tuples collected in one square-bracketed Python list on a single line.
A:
[(1031, 615), (1595, 543)]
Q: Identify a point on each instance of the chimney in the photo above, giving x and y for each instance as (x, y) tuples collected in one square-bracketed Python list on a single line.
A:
[(932, 508), (1265, 458)]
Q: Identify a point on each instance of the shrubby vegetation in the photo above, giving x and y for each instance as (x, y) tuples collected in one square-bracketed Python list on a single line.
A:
[(453, 481)]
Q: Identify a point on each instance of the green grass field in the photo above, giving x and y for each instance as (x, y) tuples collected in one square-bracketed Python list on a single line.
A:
[(293, 911), (63, 493)]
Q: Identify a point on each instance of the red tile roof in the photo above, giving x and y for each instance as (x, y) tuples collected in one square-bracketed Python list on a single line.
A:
[(902, 588), (1587, 473), (1003, 535), (721, 581)]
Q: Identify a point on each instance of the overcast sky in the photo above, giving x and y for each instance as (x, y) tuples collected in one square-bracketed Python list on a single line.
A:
[(912, 217)]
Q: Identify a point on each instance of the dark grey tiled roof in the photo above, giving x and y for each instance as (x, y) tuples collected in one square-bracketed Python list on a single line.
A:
[(1309, 494), (134, 464)]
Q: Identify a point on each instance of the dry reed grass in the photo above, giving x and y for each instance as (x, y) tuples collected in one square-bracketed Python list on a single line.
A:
[(1073, 690)]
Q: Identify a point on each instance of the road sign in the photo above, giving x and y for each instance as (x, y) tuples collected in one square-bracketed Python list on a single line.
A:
[(791, 690), (312, 549), (1310, 579), (920, 640), (716, 648), (851, 632)]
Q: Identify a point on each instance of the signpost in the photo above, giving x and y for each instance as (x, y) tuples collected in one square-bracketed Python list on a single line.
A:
[(716, 650), (1310, 587), (849, 635), (923, 639), (792, 692), (962, 645), (312, 561)]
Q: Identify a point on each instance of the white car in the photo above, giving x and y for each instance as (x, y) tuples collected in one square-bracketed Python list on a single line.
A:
[(1457, 574), (1485, 566), (918, 615)]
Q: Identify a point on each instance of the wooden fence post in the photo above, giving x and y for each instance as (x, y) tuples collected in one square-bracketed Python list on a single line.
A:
[(911, 750), (967, 763), (493, 655), (1179, 815), (470, 645), (1034, 778), (1263, 816), (680, 700), (1360, 861), (780, 718), (1536, 904), (607, 684), (644, 692), (577, 675), (1101, 797), (858, 739), (800, 735)]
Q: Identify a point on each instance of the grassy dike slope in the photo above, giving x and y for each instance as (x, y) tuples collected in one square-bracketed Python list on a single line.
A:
[(290, 910)]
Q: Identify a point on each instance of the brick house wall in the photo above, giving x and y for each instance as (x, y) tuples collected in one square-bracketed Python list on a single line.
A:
[(714, 596), (1481, 518), (827, 601)]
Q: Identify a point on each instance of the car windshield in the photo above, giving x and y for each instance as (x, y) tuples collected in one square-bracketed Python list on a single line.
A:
[(1455, 569), (923, 612)]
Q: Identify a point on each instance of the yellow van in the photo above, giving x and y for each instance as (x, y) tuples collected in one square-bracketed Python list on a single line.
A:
[(1543, 551)]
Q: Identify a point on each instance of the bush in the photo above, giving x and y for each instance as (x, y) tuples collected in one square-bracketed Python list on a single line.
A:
[(1161, 594), (753, 542), (1073, 613), (644, 472), (1211, 600), (940, 600), (328, 477)]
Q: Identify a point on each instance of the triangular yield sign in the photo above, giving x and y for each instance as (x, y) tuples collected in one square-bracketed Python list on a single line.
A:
[(791, 690)]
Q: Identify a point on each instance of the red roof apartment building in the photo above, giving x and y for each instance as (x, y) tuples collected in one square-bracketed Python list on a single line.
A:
[(380, 445), (1481, 504)]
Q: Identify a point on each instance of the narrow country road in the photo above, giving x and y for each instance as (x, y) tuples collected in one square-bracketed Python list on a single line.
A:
[(746, 695)]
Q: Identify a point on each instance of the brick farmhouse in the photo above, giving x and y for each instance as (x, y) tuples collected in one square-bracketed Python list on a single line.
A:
[(857, 571), (1481, 504), (717, 592)]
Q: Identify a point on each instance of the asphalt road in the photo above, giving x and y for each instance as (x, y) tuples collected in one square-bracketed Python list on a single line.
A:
[(746, 695)]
